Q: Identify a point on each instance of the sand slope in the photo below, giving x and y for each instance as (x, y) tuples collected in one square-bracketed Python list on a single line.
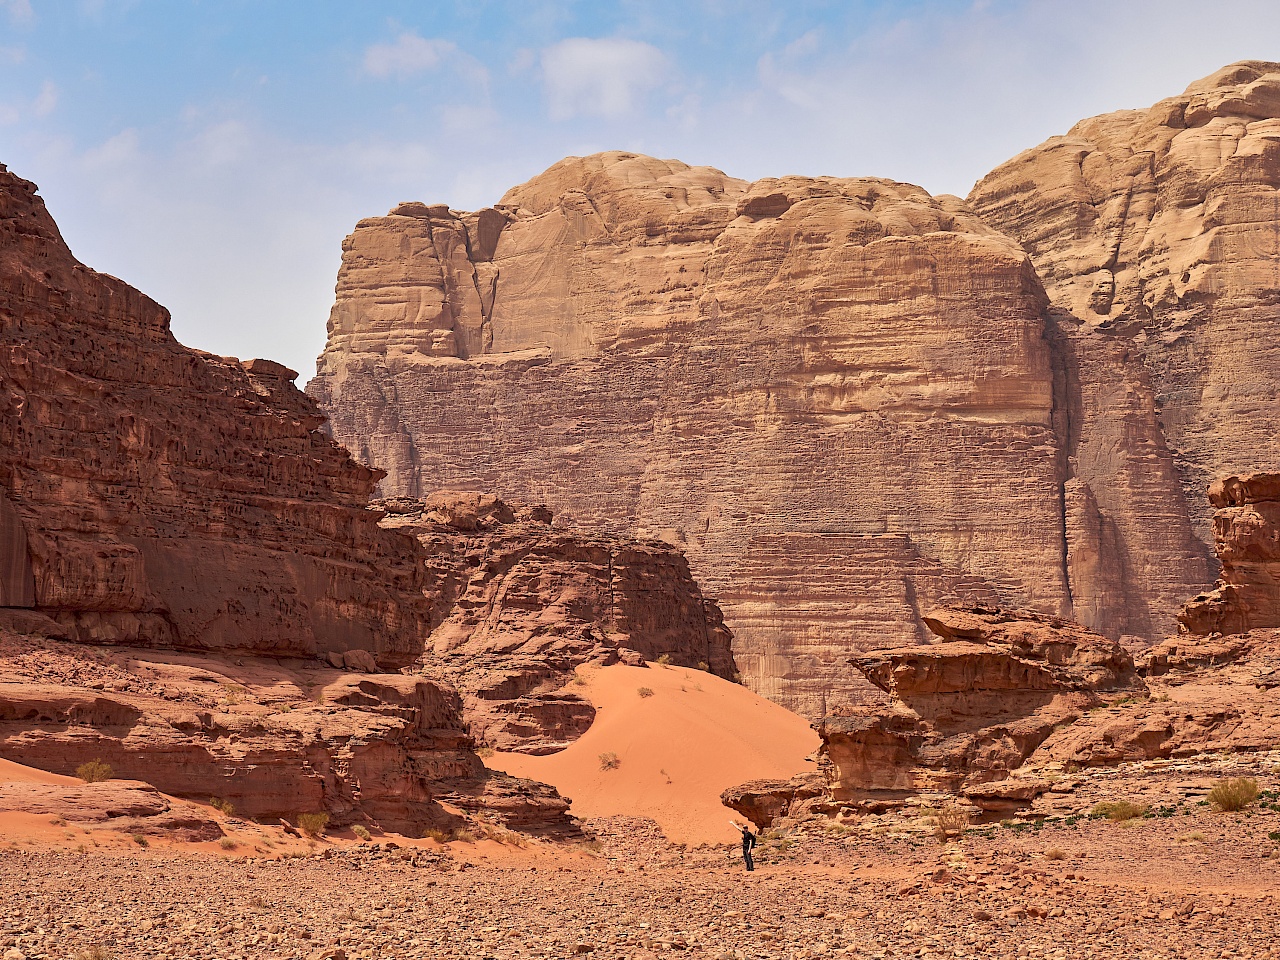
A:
[(677, 749)]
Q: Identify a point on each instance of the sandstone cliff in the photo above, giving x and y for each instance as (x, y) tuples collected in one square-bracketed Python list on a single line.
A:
[(521, 604), (1246, 532), (155, 495), (836, 395)]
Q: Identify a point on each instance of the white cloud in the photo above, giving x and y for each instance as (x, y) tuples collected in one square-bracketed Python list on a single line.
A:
[(46, 101), (599, 78), (409, 54), (19, 10)]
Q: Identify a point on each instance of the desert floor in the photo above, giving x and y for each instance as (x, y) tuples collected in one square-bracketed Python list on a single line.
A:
[(1185, 882)]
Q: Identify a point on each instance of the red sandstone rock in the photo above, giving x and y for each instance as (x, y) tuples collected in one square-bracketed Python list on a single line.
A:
[(157, 495), (521, 604), (1246, 532)]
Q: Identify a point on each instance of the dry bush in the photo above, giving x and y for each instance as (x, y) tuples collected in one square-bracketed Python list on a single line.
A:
[(1119, 811), (313, 824), (436, 834), (703, 665), (484, 753), (950, 822), (609, 761), (1233, 794), (1055, 853), (665, 659), (226, 843), (645, 692), (140, 840), (361, 831), (95, 952), (223, 805), (1196, 837), (95, 771), (463, 834)]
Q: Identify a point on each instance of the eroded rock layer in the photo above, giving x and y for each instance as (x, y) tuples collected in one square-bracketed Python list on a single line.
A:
[(836, 395), (1246, 532), (521, 604), (155, 495)]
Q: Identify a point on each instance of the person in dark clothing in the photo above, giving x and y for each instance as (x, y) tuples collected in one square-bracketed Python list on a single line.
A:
[(748, 844)]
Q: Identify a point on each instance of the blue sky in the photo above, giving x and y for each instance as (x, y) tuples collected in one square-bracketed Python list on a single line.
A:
[(214, 154)]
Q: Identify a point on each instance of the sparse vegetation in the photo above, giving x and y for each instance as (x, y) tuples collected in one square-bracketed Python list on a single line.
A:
[(95, 771), (484, 753), (1055, 853), (226, 843), (463, 834), (950, 822), (1196, 837), (95, 952), (222, 805), (645, 692), (664, 660), (361, 831), (1118, 811), (313, 824), (1233, 794), (703, 665), (436, 834), (609, 761), (140, 840)]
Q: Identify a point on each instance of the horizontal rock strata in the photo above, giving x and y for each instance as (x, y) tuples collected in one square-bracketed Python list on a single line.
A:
[(836, 395), (1246, 532), (155, 495)]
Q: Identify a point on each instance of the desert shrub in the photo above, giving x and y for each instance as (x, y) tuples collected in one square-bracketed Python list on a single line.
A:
[(95, 952), (664, 659), (463, 834), (1233, 794), (223, 805), (484, 753), (1196, 837), (313, 824), (645, 692), (436, 834), (361, 831), (1055, 853), (95, 771), (703, 665), (950, 822), (140, 840), (226, 843), (1118, 811), (609, 761)]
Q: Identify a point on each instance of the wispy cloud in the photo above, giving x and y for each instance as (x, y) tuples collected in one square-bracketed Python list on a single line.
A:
[(408, 55), (604, 77), (19, 11), (46, 100)]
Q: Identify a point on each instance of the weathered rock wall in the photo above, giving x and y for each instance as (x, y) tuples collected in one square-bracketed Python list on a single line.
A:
[(836, 395), (156, 495), (521, 604), (1246, 533), (1157, 235)]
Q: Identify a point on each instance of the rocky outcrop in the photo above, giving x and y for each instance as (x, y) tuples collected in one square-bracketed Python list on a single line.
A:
[(155, 495), (970, 709), (274, 739), (521, 604), (1246, 531), (128, 806), (836, 396), (1154, 232)]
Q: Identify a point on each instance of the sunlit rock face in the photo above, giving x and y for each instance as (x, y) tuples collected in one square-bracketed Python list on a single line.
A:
[(836, 395), (1157, 235), (155, 495)]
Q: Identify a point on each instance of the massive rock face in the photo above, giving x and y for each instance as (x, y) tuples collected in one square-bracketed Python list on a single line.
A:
[(1246, 531), (155, 495), (1157, 235), (836, 395)]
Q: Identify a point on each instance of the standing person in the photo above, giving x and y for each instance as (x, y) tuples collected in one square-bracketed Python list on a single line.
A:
[(748, 844)]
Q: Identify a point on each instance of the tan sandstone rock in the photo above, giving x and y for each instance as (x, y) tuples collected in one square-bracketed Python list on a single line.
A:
[(836, 395)]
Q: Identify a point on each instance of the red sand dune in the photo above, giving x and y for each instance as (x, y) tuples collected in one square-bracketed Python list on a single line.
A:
[(677, 749)]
